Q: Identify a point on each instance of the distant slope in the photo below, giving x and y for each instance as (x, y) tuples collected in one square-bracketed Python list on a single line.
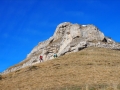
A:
[(83, 70)]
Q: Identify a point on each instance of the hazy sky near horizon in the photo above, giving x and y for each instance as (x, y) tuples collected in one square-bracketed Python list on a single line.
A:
[(25, 23)]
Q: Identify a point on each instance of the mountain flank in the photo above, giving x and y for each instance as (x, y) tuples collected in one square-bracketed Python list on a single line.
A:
[(67, 38), (87, 60), (92, 68)]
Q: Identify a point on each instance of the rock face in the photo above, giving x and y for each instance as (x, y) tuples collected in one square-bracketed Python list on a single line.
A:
[(67, 38)]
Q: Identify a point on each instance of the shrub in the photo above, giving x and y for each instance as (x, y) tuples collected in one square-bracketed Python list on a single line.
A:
[(33, 68), (0, 77)]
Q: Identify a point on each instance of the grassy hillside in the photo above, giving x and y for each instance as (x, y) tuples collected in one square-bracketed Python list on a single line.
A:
[(88, 69)]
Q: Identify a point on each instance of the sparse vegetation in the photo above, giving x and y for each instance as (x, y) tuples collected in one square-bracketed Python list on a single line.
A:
[(89, 69), (0, 77), (33, 68)]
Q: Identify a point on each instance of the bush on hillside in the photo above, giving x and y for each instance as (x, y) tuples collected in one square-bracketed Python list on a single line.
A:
[(0, 77), (33, 68)]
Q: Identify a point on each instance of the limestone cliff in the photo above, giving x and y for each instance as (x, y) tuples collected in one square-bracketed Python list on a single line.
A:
[(67, 38)]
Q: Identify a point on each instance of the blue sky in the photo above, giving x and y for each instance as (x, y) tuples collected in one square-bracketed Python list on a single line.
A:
[(25, 23)]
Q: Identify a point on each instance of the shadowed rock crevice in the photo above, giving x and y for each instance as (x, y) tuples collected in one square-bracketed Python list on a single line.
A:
[(104, 40)]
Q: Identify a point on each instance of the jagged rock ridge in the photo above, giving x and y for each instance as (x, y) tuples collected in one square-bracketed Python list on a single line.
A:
[(67, 38)]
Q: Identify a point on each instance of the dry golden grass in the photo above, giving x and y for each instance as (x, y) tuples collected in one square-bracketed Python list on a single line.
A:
[(88, 69)]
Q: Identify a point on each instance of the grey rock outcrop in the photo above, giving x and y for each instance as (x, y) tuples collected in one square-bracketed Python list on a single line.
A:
[(67, 38)]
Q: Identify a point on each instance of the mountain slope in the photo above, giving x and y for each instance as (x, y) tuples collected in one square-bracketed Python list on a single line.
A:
[(67, 38), (89, 68)]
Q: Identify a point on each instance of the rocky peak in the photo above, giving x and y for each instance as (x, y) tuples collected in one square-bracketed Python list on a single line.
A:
[(61, 30), (67, 38)]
